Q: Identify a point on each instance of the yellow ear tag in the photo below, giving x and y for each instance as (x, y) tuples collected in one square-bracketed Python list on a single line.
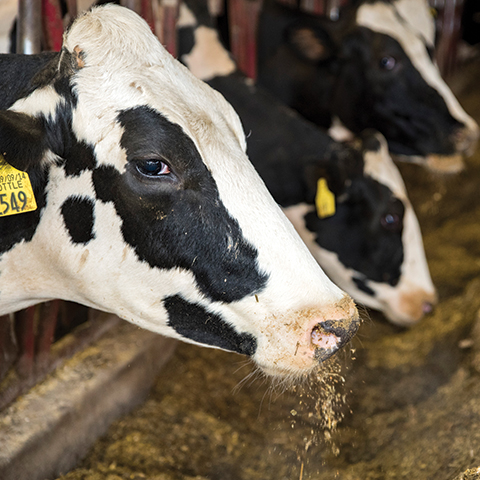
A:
[(16, 193), (325, 199)]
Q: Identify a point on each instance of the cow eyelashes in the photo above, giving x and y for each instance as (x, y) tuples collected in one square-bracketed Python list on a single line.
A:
[(152, 168), (387, 62)]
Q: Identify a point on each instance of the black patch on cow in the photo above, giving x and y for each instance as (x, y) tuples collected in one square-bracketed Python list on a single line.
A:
[(78, 215), (79, 157), (22, 138), (193, 321), (361, 285), (177, 220), (17, 228), (359, 234), (20, 75), (370, 142), (186, 40)]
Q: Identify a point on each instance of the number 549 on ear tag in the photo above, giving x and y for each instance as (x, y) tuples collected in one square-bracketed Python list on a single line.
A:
[(16, 193), (324, 200)]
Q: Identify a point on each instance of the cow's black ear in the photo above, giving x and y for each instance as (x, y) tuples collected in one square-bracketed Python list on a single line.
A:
[(22, 139), (339, 167), (310, 41)]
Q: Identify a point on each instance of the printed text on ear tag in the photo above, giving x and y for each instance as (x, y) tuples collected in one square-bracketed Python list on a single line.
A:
[(325, 199), (16, 193)]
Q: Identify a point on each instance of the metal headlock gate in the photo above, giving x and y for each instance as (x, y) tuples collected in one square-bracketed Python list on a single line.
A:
[(36, 340)]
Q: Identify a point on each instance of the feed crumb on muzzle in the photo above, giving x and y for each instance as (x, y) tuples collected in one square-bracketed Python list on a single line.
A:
[(322, 339)]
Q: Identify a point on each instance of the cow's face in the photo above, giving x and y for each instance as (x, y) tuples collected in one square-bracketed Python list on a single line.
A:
[(374, 69), (151, 210), (372, 246), (420, 114)]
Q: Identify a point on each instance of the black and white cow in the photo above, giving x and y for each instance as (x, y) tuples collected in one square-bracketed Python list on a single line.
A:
[(372, 246), (371, 69), (148, 206)]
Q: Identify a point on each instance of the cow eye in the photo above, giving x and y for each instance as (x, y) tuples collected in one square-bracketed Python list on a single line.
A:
[(387, 62), (153, 168), (391, 222)]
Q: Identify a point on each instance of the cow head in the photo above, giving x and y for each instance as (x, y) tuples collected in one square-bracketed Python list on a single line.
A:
[(150, 209), (373, 69), (372, 246)]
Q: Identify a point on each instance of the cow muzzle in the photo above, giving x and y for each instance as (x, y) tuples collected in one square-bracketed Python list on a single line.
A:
[(465, 139), (315, 335)]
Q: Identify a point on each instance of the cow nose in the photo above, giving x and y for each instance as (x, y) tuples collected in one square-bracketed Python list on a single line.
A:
[(329, 336), (466, 138), (427, 307)]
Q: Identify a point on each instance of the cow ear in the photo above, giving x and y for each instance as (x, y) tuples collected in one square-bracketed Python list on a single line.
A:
[(339, 168), (310, 41), (22, 139)]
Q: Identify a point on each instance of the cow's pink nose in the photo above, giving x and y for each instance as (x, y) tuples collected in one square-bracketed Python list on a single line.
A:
[(329, 336), (427, 307)]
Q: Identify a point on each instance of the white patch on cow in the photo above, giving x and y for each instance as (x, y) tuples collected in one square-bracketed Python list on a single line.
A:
[(123, 57), (186, 18), (417, 14), (339, 132), (42, 101), (383, 17), (208, 58), (381, 168)]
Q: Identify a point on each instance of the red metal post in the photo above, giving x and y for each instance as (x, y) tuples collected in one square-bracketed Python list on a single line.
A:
[(52, 23), (147, 13), (25, 333), (8, 347), (45, 332), (168, 12), (243, 20)]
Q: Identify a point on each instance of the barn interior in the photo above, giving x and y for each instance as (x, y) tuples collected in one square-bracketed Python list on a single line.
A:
[(396, 403)]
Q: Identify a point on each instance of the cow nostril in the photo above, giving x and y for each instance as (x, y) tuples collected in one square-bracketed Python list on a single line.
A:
[(427, 307), (324, 339)]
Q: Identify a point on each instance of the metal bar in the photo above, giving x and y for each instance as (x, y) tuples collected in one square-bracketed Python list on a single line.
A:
[(243, 20), (8, 346), (25, 333), (446, 53), (147, 13), (135, 5), (333, 9), (45, 333), (29, 26), (72, 8), (169, 16)]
